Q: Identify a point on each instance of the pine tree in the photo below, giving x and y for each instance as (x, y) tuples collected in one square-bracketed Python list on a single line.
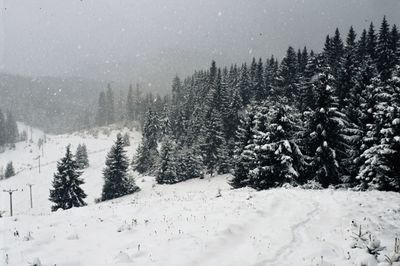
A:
[(9, 172), (2, 129), (371, 42), (326, 140), (258, 88), (66, 192), (244, 154), (380, 169), (127, 142), (130, 105), (117, 181), (146, 155), (288, 75), (213, 142), (384, 53), (244, 86), (346, 71), (287, 160), (167, 170), (81, 156), (110, 105), (189, 163), (101, 118), (395, 44), (11, 128)]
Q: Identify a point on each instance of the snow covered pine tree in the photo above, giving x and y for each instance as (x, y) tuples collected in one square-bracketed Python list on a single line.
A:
[(66, 192)]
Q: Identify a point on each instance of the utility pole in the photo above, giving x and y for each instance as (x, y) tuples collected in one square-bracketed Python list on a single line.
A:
[(30, 193), (10, 191)]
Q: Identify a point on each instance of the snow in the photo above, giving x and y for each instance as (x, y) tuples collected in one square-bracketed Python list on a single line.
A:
[(183, 224)]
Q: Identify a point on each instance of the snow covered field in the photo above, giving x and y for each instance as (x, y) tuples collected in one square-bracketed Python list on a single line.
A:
[(184, 224)]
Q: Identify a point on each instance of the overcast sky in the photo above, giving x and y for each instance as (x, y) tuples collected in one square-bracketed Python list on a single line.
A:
[(150, 40)]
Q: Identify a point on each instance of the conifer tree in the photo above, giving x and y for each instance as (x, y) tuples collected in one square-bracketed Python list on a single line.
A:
[(11, 128), (244, 155), (258, 87), (384, 53), (130, 105), (213, 142), (189, 163), (81, 156), (101, 118), (117, 181), (9, 172), (66, 192), (110, 105), (127, 142), (380, 169), (147, 154), (347, 71), (2, 129), (288, 75), (371, 42), (326, 139), (244, 85), (167, 170)]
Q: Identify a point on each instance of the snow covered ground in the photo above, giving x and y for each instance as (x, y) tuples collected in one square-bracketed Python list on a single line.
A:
[(184, 224)]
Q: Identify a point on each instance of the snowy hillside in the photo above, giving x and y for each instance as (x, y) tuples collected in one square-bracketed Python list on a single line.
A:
[(183, 224)]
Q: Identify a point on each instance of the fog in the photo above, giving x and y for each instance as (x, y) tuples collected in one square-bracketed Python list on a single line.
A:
[(149, 41)]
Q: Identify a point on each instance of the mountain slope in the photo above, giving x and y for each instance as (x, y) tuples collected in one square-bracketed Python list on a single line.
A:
[(186, 223)]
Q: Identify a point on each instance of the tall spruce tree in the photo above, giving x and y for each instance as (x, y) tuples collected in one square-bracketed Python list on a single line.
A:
[(130, 105), (146, 156), (11, 128), (167, 169), (326, 140), (9, 172), (110, 114), (66, 192), (385, 58), (101, 118), (81, 156), (117, 181), (244, 157), (380, 169), (2, 129)]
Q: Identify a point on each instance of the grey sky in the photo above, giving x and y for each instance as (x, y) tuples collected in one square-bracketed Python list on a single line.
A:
[(150, 40)]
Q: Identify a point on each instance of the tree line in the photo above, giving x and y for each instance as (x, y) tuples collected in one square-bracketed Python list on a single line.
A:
[(8, 129), (314, 119)]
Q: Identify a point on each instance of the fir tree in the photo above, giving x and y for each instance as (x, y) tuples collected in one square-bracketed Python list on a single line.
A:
[(101, 118), (146, 155), (2, 129), (244, 154), (167, 170), (81, 156), (11, 128), (288, 75), (189, 163), (110, 105), (380, 169), (244, 85), (130, 105), (371, 42), (66, 192), (9, 172), (384, 53), (326, 140), (117, 181), (127, 142)]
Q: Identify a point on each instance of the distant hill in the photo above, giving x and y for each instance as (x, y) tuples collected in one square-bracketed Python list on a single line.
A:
[(52, 104)]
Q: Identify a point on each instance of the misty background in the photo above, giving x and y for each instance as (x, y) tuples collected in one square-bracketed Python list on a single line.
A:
[(149, 41), (56, 55)]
